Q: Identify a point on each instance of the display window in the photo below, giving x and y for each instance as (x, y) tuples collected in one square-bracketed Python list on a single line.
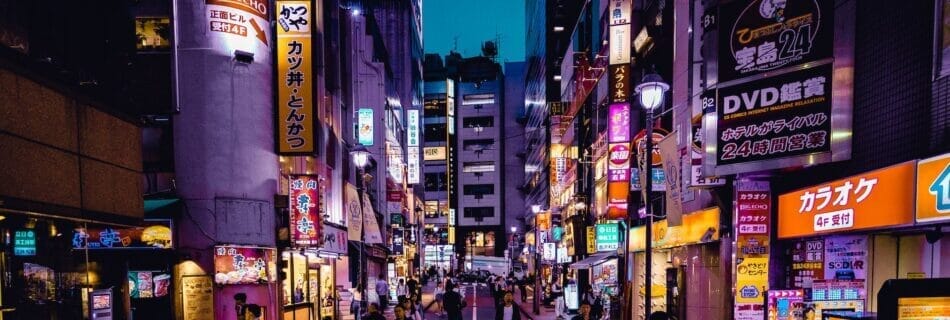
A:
[(309, 287)]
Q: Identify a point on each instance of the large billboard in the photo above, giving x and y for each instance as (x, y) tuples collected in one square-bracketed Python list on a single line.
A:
[(296, 131)]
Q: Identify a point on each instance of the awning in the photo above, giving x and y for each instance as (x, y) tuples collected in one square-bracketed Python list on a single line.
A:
[(593, 260)]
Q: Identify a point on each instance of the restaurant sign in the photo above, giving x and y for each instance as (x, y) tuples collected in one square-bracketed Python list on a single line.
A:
[(853, 203), (305, 215), (296, 130), (608, 236), (153, 234)]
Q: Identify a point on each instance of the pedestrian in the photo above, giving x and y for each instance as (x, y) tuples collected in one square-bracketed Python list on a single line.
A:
[(453, 302), (254, 312), (523, 286), (402, 291), (508, 310), (400, 313), (560, 308), (583, 313), (240, 300), (373, 312), (382, 290), (413, 286), (439, 292), (357, 303)]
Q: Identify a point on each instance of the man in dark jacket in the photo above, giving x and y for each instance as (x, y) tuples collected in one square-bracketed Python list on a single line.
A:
[(508, 310), (453, 302), (413, 285), (373, 312)]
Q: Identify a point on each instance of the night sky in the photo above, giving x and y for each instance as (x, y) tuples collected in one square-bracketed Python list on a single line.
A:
[(474, 22)]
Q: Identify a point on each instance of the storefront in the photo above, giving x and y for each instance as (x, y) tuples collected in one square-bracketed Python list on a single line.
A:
[(309, 291), (843, 239), (686, 266)]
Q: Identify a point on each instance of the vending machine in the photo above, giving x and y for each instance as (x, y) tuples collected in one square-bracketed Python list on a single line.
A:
[(100, 304)]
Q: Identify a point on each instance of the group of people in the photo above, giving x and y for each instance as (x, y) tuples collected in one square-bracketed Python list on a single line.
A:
[(408, 303)]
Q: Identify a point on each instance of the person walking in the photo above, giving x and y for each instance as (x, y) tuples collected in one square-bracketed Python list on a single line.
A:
[(357, 303), (382, 290), (373, 312), (508, 310), (413, 286), (402, 291), (583, 313), (453, 302), (439, 292), (523, 286)]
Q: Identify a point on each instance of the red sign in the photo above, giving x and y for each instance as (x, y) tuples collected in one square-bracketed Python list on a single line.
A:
[(753, 212), (244, 265), (305, 210)]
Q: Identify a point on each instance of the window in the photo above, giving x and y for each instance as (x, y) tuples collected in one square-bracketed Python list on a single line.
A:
[(479, 213), (478, 144), (480, 122), (478, 190), (436, 209), (435, 181), (479, 166), (435, 132), (434, 108), (152, 33), (479, 98)]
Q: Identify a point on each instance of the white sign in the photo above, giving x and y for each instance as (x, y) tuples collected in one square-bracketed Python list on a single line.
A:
[(562, 256), (412, 171), (245, 25), (620, 44), (334, 239), (412, 128), (549, 251), (620, 12)]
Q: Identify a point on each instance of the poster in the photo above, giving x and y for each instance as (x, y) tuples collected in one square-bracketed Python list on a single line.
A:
[(364, 126), (197, 298), (756, 36), (305, 210), (140, 284), (296, 128), (807, 264), (923, 308), (244, 265), (334, 239), (751, 284), (846, 258)]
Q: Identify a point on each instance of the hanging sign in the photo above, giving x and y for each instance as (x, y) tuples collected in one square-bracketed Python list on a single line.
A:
[(296, 130), (305, 215), (591, 240), (364, 126), (608, 236)]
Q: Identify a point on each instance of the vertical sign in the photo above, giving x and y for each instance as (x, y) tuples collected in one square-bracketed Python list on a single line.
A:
[(305, 212), (752, 209), (295, 104), (24, 242), (591, 240), (412, 134), (364, 126), (618, 160)]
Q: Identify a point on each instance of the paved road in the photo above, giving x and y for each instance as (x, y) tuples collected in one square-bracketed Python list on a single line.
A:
[(479, 301)]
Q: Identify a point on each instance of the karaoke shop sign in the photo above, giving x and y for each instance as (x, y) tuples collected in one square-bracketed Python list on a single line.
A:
[(876, 199)]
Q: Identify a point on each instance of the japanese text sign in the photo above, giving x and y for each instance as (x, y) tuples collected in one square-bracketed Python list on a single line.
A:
[(769, 35), (608, 236), (846, 258), (239, 24), (305, 210), (153, 234), (754, 208), (879, 198), (24, 242), (618, 123), (619, 86), (620, 11), (591, 240), (244, 265), (933, 189), (364, 126), (752, 280), (295, 103)]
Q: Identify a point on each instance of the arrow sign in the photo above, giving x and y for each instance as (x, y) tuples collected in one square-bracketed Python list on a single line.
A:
[(260, 32), (941, 189)]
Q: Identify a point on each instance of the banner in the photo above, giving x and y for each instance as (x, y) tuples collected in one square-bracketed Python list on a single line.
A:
[(305, 215), (295, 104), (354, 213), (364, 126), (671, 167), (372, 232)]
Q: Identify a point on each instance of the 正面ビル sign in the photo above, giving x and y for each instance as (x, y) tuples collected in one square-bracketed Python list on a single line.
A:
[(853, 203)]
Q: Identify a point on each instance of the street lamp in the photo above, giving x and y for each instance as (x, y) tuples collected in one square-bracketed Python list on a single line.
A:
[(360, 157), (652, 90)]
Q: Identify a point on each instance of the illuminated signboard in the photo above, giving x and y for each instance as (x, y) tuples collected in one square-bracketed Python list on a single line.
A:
[(296, 130), (364, 127), (245, 25), (608, 236), (305, 210), (153, 234), (412, 137), (244, 265), (433, 153), (24, 242)]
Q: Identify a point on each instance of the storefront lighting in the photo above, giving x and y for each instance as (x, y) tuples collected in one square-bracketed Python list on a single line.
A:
[(514, 229)]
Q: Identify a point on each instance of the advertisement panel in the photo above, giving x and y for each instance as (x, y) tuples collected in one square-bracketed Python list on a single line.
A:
[(296, 132), (412, 143), (807, 264), (618, 122), (413, 174), (24, 242), (620, 44), (773, 118), (591, 240), (305, 215), (620, 11), (608, 236), (619, 84), (758, 36), (354, 213), (153, 234), (846, 258), (849, 204), (334, 239), (751, 284), (933, 189), (197, 298), (245, 25), (244, 265), (752, 224), (364, 126)]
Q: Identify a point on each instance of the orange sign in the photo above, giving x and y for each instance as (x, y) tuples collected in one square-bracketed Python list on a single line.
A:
[(543, 221), (933, 189), (880, 198)]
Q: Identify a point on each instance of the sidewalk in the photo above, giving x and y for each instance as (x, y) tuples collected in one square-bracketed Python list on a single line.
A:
[(545, 313)]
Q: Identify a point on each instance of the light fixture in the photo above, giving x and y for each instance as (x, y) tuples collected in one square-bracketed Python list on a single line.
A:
[(360, 155), (558, 28), (514, 229), (557, 77), (355, 12), (652, 91), (244, 57), (535, 208), (580, 205)]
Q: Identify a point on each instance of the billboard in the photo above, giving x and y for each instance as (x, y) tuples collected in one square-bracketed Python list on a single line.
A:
[(244, 265), (364, 126), (933, 189), (296, 130)]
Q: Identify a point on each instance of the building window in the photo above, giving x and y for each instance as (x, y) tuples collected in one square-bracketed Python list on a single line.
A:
[(478, 190), (435, 132), (436, 209), (152, 33), (434, 108), (435, 181), (478, 98), (479, 213), (479, 166), (478, 144), (479, 122)]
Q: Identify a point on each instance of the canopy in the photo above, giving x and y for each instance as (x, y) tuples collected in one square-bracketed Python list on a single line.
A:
[(593, 260)]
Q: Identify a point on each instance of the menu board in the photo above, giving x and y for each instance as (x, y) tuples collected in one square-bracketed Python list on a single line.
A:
[(243, 265), (197, 298), (923, 308)]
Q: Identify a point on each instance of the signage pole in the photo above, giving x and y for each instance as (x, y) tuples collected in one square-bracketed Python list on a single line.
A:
[(648, 188), (362, 276)]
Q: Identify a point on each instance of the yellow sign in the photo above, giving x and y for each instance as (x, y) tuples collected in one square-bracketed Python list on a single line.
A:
[(433, 153), (698, 227), (451, 235), (933, 189), (591, 240), (752, 280), (295, 104)]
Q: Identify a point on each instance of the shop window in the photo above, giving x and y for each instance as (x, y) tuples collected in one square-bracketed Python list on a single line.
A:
[(479, 122), (478, 166), (435, 181), (478, 190), (478, 144), (152, 33), (308, 286)]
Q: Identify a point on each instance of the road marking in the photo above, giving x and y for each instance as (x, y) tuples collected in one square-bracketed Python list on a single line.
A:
[(475, 302)]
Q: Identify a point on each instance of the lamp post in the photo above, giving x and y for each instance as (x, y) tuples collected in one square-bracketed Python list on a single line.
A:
[(360, 157), (511, 249), (652, 90)]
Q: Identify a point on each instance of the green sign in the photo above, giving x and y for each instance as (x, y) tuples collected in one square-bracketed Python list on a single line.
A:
[(24, 242), (608, 236)]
